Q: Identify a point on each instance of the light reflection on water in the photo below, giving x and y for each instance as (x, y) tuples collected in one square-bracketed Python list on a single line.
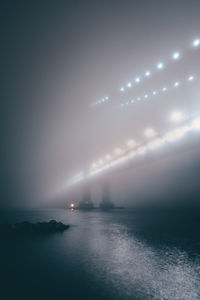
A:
[(104, 246), (133, 268)]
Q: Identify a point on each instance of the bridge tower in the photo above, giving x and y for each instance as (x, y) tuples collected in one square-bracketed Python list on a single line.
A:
[(86, 202), (106, 203)]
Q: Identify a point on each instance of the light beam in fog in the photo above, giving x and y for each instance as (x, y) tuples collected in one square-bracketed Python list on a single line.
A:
[(124, 156)]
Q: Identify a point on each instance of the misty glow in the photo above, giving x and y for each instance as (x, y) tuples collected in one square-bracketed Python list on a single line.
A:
[(122, 157)]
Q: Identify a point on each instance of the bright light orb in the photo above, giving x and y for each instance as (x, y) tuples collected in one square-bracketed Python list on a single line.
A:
[(138, 99), (147, 73), (177, 116), (190, 78), (132, 101), (176, 55), (164, 89), (149, 132), (196, 43), (122, 89), (137, 80), (176, 84), (160, 65), (196, 124), (154, 93), (129, 84), (146, 96), (118, 151), (131, 143), (106, 97), (72, 205)]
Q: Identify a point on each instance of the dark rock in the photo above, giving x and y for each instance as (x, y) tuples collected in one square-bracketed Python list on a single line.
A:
[(24, 228)]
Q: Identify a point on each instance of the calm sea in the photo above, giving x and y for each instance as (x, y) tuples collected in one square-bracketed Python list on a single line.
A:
[(104, 255)]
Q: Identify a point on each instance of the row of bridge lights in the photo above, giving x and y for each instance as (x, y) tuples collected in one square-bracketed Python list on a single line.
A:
[(176, 116), (102, 100), (170, 136), (116, 157), (160, 66), (155, 92), (121, 156)]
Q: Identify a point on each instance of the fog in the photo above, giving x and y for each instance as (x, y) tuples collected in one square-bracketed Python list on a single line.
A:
[(60, 58)]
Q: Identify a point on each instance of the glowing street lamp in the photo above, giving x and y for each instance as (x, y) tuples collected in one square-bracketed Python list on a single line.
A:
[(150, 132), (190, 78), (176, 84), (131, 143), (196, 43), (176, 55), (177, 116), (160, 65), (196, 124), (147, 73)]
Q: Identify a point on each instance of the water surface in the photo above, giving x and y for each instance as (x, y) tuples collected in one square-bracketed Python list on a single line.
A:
[(104, 255)]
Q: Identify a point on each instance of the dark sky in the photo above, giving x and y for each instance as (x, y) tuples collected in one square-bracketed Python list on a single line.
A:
[(58, 57)]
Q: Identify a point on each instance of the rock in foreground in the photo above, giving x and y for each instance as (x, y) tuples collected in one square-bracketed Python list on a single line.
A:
[(34, 228)]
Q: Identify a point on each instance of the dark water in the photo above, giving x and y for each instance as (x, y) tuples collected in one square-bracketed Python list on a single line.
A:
[(104, 255)]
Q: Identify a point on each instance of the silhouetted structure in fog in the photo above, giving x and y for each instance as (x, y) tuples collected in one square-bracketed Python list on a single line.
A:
[(106, 204), (86, 203)]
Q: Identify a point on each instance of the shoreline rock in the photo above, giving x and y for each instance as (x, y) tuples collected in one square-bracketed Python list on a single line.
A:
[(27, 228)]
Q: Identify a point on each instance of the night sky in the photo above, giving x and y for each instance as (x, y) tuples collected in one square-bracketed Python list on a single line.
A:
[(59, 57)]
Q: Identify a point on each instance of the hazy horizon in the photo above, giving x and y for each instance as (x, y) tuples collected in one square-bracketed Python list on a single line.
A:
[(60, 58)]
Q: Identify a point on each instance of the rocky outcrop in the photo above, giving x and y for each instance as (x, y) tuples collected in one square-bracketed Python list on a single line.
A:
[(24, 228)]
